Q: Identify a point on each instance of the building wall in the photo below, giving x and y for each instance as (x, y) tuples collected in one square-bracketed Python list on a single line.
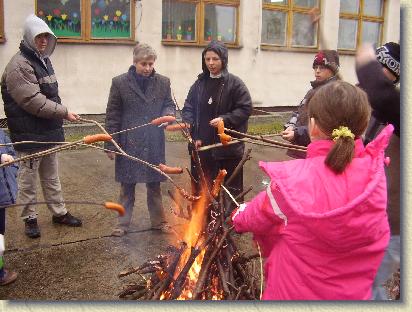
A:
[(274, 78)]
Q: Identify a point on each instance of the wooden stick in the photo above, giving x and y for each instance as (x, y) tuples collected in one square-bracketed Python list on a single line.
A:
[(181, 279), (245, 192), (76, 202), (206, 266), (154, 167), (191, 176), (211, 146), (245, 157), (170, 271), (179, 214), (255, 137)]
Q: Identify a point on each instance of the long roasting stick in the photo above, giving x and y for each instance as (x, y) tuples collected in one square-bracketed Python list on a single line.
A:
[(260, 138), (109, 205), (123, 153)]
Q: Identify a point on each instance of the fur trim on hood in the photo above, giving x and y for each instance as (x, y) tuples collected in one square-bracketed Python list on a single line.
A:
[(34, 26)]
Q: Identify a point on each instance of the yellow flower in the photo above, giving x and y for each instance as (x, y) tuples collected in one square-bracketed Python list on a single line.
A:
[(342, 132), (49, 17), (64, 16), (106, 17), (118, 12)]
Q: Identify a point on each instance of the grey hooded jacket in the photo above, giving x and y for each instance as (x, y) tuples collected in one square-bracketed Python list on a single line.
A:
[(30, 91)]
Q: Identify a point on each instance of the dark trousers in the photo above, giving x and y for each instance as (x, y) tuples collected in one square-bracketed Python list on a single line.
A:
[(154, 203), (211, 168), (2, 228)]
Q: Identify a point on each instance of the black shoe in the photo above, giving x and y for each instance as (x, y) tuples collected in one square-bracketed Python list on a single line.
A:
[(67, 219), (31, 229)]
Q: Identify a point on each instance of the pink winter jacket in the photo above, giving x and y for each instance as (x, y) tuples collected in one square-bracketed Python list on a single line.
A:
[(324, 234)]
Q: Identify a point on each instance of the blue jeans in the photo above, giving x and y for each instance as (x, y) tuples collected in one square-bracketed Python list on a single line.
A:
[(154, 203), (390, 264)]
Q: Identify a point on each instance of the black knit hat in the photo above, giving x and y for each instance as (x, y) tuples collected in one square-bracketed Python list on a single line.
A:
[(389, 55), (328, 58)]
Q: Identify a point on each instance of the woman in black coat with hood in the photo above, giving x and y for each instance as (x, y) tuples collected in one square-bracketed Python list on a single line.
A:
[(217, 95)]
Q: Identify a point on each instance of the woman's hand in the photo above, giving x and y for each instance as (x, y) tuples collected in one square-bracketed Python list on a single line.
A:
[(5, 158), (214, 122), (198, 143)]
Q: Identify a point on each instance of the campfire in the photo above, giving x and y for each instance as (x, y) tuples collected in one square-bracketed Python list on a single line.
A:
[(205, 263)]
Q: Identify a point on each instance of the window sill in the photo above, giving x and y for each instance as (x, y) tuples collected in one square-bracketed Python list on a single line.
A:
[(196, 44), (346, 52), (286, 49), (97, 41)]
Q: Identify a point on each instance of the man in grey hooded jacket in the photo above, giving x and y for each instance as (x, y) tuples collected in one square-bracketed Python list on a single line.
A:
[(34, 113)]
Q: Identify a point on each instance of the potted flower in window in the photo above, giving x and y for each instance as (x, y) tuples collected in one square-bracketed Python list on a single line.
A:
[(189, 33), (209, 35), (179, 33), (169, 33), (219, 36), (230, 34)]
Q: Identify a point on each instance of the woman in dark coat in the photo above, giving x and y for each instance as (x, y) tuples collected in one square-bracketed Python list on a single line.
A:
[(136, 98), (217, 95)]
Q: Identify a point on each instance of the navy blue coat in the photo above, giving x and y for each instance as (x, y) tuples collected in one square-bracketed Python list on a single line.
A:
[(128, 106), (234, 106), (8, 174)]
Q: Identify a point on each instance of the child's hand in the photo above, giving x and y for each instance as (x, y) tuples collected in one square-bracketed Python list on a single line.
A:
[(5, 158)]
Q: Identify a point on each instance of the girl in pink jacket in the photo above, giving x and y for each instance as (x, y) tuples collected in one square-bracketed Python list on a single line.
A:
[(322, 222)]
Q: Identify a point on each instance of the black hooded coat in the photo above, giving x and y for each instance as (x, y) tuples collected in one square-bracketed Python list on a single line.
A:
[(234, 104)]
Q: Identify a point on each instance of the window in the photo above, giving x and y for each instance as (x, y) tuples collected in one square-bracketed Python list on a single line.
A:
[(360, 21), (196, 22), (1, 22), (89, 20), (287, 24)]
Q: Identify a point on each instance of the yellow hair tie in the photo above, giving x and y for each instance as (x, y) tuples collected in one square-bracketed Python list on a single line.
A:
[(342, 132)]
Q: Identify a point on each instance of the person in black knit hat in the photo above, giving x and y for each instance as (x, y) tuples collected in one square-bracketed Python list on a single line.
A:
[(326, 69), (389, 55), (379, 75)]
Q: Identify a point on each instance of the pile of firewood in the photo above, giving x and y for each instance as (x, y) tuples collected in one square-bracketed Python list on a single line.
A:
[(206, 264)]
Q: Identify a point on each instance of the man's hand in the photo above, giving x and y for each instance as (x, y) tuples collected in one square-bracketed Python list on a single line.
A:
[(288, 134), (111, 155), (214, 122), (72, 116), (365, 54), (5, 158)]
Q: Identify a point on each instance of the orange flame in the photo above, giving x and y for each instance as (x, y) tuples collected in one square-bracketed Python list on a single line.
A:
[(192, 235)]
